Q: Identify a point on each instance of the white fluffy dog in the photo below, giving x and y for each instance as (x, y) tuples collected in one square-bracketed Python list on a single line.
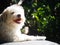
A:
[(11, 21)]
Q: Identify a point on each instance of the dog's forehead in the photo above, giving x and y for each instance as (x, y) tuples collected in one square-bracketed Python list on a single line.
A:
[(15, 8)]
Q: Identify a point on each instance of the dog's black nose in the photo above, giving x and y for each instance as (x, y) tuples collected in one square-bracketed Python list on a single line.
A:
[(18, 15)]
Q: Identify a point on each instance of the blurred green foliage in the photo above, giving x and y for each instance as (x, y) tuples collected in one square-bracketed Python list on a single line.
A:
[(38, 15), (42, 17)]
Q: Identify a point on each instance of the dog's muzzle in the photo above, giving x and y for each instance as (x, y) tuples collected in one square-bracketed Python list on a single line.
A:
[(18, 20)]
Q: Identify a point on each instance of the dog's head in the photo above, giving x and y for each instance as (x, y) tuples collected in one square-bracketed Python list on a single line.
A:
[(13, 14)]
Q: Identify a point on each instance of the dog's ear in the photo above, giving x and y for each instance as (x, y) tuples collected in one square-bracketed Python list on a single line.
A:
[(20, 2), (3, 16)]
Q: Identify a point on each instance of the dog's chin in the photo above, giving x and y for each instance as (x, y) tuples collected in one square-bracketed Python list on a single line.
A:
[(18, 21)]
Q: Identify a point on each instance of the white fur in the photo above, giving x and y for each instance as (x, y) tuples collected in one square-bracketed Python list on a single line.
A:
[(9, 30)]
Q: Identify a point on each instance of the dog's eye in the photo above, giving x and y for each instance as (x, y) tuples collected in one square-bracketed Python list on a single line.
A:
[(12, 12)]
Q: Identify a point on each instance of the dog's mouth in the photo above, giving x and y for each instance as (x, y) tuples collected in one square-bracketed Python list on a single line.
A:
[(17, 20)]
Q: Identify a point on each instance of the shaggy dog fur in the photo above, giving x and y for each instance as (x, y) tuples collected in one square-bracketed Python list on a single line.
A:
[(11, 21)]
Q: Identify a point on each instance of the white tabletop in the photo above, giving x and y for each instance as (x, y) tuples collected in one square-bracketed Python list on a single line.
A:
[(39, 42)]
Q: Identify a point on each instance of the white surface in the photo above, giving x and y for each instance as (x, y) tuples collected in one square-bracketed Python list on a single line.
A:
[(40, 42)]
